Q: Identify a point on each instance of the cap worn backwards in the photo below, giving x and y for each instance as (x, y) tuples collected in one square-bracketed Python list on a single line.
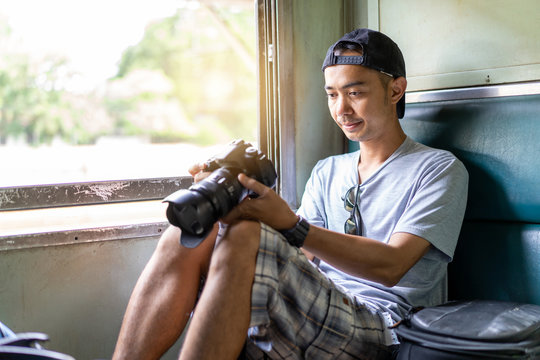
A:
[(379, 52)]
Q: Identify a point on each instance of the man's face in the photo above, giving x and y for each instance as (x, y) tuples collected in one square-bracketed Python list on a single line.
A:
[(359, 102)]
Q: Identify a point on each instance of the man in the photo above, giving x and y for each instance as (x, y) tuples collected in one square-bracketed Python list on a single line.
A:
[(378, 227)]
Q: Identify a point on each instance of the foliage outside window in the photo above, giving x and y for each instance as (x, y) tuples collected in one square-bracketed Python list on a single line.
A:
[(189, 78)]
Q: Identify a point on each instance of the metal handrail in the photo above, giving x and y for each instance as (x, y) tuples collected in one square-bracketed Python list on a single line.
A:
[(469, 93)]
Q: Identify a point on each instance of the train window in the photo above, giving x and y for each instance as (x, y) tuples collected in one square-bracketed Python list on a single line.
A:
[(107, 103), (108, 90)]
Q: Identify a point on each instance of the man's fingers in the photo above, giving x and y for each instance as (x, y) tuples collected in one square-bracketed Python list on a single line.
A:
[(238, 212), (196, 168), (252, 184), (198, 172)]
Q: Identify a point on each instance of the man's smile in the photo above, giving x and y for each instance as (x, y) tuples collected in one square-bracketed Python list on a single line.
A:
[(350, 125)]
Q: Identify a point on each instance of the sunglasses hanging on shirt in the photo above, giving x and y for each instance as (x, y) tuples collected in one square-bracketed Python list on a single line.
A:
[(353, 225)]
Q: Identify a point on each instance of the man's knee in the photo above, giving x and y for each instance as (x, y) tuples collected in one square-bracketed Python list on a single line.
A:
[(169, 240), (239, 245), (170, 251), (243, 234)]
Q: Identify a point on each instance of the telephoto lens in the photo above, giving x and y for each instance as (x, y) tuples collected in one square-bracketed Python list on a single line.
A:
[(197, 209)]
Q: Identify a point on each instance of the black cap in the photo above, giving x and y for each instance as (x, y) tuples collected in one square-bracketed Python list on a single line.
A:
[(379, 52)]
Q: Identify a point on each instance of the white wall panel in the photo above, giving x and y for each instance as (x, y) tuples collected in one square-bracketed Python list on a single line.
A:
[(455, 43)]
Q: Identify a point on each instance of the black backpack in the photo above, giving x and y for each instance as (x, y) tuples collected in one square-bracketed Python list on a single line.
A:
[(471, 330)]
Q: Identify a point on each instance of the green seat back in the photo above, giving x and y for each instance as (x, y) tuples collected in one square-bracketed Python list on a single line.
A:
[(498, 140)]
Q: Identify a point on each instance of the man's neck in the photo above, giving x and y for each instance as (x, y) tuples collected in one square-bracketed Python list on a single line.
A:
[(375, 152)]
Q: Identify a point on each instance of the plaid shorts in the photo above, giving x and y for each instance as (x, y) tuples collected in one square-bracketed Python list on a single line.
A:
[(298, 313)]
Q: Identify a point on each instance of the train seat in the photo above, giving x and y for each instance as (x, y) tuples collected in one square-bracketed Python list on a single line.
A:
[(498, 140)]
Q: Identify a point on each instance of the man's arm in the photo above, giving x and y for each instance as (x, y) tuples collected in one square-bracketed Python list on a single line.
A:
[(356, 255), (367, 258)]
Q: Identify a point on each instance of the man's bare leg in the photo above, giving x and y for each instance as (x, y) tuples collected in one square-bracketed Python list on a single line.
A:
[(220, 322), (163, 298)]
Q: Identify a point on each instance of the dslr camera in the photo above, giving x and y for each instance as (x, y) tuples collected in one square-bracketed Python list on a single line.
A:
[(197, 209)]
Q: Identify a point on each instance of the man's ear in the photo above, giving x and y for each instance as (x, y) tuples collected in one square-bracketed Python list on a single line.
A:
[(399, 85)]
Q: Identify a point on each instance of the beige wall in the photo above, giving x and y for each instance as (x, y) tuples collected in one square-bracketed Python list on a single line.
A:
[(77, 294), (317, 25), (455, 43)]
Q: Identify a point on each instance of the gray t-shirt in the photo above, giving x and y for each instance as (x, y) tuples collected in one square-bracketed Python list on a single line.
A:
[(418, 190)]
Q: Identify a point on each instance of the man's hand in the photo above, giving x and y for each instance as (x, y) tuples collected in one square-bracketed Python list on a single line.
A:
[(198, 173), (268, 207)]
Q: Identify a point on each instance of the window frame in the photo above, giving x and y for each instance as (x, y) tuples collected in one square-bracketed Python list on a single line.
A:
[(81, 195), (276, 92), (87, 194)]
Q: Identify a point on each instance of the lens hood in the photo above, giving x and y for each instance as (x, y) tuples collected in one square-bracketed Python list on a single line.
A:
[(189, 211)]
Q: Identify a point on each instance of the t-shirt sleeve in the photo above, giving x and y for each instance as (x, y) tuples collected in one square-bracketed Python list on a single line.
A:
[(436, 210), (312, 206)]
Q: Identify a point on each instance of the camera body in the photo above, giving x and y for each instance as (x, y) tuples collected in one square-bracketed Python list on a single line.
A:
[(197, 209)]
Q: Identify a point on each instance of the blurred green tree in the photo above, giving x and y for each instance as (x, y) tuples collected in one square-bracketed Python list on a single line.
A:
[(29, 99), (208, 54), (190, 78)]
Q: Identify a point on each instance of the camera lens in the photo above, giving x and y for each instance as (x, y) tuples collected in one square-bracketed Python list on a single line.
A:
[(197, 209), (188, 210)]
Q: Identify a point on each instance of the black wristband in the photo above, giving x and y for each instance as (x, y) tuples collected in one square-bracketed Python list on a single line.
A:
[(297, 234)]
